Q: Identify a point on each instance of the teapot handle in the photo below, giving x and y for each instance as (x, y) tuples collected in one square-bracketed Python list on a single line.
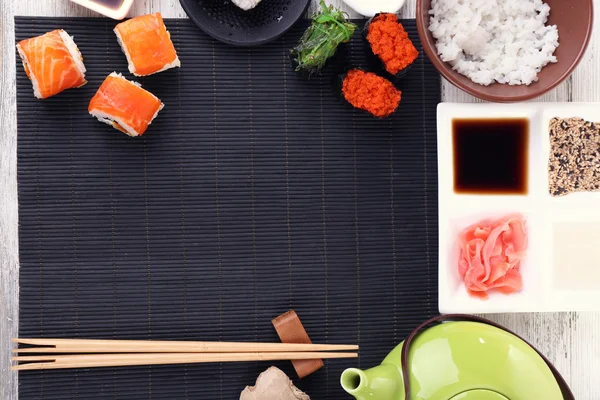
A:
[(566, 392)]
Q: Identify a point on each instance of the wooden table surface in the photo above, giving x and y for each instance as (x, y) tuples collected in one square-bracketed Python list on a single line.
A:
[(570, 340)]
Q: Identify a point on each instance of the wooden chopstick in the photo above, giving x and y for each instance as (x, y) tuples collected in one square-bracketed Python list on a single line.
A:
[(146, 346), (121, 360)]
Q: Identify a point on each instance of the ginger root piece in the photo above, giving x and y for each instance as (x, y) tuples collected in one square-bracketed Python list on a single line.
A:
[(273, 384)]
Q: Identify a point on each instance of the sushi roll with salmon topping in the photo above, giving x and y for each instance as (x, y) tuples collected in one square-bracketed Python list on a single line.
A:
[(389, 42), (147, 45), (370, 92), (52, 62), (124, 105)]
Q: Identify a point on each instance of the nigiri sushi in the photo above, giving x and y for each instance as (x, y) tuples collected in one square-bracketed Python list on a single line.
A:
[(147, 45), (388, 44), (52, 62), (370, 92), (124, 105)]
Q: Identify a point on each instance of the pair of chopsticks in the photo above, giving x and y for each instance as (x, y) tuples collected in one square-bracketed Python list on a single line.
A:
[(85, 353)]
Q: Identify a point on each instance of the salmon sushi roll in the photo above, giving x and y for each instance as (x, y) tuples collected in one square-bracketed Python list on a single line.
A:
[(369, 92), (388, 43), (124, 105), (52, 62), (147, 45)]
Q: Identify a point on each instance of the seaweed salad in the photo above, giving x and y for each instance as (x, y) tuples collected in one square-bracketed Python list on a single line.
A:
[(329, 28)]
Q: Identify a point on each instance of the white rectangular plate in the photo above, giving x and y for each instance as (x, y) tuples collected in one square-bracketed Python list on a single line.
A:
[(551, 282)]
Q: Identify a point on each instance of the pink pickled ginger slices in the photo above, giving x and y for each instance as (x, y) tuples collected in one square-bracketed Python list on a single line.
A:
[(490, 254)]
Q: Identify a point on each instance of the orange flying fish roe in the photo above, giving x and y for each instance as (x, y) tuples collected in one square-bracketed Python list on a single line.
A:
[(390, 42), (370, 92)]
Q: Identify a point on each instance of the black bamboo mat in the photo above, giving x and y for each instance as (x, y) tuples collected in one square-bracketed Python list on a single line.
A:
[(254, 192)]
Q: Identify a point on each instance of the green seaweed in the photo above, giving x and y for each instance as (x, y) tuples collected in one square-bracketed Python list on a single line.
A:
[(329, 29)]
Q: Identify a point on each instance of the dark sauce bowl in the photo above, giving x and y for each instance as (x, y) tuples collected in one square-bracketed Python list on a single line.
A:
[(229, 24)]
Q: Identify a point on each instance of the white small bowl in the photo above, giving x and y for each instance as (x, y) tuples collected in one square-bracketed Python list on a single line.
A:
[(369, 8), (118, 13)]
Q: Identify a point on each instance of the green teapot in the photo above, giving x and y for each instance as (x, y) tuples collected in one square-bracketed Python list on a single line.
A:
[(469, 358)]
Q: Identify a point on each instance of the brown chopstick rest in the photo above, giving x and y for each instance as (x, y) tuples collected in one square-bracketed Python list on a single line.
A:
[(290, 330)]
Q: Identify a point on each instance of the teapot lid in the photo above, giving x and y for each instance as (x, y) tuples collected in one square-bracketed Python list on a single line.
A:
[(479, 394)]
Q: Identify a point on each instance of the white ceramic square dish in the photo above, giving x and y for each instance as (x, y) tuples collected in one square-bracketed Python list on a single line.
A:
[(118, 13), (561, 269)]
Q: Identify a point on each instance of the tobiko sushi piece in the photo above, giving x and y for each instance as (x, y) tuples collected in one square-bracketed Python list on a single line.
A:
[(124, 105), (147, 45), (53, 63), (388, 41), (370, 92)]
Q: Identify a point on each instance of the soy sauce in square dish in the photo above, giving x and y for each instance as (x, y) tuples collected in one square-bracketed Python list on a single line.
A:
[(490, 156)]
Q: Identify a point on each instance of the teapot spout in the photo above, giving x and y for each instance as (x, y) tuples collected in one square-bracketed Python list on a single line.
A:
[(383, 382)]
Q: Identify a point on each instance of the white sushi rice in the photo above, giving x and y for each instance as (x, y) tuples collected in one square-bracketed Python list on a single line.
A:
[(32, 76), (74, 51), (246, 4), (505, 41), (111, 119)]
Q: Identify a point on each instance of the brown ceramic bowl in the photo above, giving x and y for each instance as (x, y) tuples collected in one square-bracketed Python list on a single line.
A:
[(574, 20)]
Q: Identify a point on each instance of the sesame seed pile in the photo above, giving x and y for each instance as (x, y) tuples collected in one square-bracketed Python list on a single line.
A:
[(574, 164)]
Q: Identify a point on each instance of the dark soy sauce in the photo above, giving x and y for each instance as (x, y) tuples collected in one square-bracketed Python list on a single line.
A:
[(490, 155), (115, 4)]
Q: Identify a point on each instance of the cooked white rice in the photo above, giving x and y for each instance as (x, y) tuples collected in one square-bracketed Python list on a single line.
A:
[(246, 4), (505, 41)]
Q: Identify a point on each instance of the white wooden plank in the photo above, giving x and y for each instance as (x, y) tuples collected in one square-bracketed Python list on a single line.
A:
[(551, 333), (585, 351), (314, 7), (9, 277), (586, 78), (570, 340), (585, 356)]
